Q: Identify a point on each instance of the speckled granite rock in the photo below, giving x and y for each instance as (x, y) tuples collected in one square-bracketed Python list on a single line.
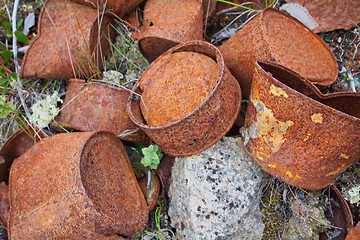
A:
[(215, 194)]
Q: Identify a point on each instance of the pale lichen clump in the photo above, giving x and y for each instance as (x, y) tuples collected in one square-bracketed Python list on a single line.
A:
[(45, 110), (307, 221)]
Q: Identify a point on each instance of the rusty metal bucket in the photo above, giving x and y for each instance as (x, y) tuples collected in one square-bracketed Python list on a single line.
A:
[(168, 23), (276, 36), (14, 147), (177, 83), (70, 43), (306, 142), (75, 186), (119, 7), (96, 107)]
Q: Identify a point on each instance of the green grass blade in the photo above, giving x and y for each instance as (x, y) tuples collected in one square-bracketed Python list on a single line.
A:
[(113, 45), (238, 5), (127, 40)]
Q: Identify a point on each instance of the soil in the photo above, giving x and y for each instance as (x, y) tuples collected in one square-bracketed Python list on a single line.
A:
[(343, 43)]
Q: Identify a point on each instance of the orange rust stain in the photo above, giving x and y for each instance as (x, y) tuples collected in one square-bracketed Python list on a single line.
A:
[(337, 171), (278, 91), (307, 137), (291, 175), (317, 118)]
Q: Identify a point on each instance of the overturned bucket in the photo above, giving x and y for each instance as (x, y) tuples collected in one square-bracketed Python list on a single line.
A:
[(71, 42), (75, 186), (95, 106), (188, 99), (276, 36), (119, 7), (302, 141), (168, 23)]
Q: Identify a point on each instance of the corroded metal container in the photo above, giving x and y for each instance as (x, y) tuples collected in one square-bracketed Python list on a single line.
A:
[(302, 141), (327, 14), (95, 106), (168, 23), (71, 42), (204, 125), (276, 36), (119, 7), (75, 186)]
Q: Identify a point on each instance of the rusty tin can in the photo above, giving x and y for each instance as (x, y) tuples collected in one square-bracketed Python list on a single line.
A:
[(95, 106), (119, 7), (300, 140), (208, 122), (276, 36), (168, 23), (71, 42), (75, 186), (326, 15)]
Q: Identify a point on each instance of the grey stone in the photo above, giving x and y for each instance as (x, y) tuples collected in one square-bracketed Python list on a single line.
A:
[(215, 194)]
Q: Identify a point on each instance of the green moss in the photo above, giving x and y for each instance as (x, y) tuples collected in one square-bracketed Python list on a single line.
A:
[(274, 218)]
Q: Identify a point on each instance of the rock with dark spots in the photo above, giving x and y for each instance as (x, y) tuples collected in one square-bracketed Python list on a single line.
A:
[(215, 194)]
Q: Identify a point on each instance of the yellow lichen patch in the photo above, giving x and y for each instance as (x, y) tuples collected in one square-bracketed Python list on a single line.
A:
[(337, 171), (290, 175), (343, 155), (317, 118), (271, 130), (307, 137), (277, 91), (272, 165)]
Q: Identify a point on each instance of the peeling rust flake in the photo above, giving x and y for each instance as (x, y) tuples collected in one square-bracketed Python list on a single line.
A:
[(266, 128), (317, 118), (278, 91)]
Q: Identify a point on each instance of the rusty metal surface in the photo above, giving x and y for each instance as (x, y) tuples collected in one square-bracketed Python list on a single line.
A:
[(331, 15), (209, 7), (340, 215), (206, 124), (183, 87), (4, 204), (276, 36), (119, 7), (295, 138), (68, 43), (96, 106), (169, 22), (75, 186), (14, 147), (353, 233), (164, 172)]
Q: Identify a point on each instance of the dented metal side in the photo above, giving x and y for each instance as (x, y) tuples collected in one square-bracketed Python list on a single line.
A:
[(70, 34), (273, 35), (95, 106), (208, 122), (295, 138), (75, 186)]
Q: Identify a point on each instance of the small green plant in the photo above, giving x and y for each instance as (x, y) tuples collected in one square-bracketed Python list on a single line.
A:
[(160, 234), (152, 156), (19, 35)]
